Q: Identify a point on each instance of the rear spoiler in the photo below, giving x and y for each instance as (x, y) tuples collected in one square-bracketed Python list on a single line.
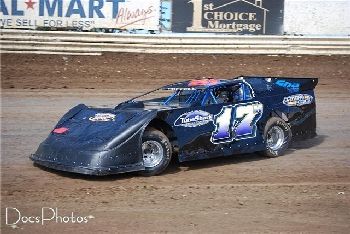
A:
[(297, 84)]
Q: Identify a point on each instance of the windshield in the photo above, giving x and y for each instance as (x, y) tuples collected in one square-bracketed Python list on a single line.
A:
[(170, 97)]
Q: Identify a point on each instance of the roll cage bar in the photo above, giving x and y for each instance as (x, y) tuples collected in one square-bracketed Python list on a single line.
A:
[(209, 93)]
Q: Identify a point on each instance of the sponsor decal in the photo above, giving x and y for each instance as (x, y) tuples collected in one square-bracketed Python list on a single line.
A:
[(60, 130), (304, 117), (298, 100), (204, 82), (175, 89), (102, 117), (291, 86), (194, 119)]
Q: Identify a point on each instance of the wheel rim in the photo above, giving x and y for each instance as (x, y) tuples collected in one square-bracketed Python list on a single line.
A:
[(152, 153), (275, 138)]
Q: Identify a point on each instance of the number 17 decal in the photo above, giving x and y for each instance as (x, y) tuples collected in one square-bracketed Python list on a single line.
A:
[(236, 122)]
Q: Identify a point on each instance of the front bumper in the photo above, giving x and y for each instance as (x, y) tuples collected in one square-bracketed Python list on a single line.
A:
[(98, 171)]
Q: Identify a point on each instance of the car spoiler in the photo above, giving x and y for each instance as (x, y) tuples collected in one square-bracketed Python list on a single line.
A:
[(301, 84)]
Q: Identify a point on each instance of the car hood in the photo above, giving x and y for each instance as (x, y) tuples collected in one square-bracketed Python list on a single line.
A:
[(98, 128)]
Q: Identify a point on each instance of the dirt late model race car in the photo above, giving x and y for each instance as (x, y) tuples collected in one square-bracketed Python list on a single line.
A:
[(193, 120)]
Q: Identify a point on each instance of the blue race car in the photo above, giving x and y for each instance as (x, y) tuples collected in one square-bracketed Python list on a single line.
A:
[(191, 120)]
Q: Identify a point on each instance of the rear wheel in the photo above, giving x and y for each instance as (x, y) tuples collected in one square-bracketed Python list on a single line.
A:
[(156, 150), (277, 135)]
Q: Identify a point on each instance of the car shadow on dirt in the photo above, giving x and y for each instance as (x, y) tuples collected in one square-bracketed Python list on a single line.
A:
[(306, 144), (175, 166), (241, 158)]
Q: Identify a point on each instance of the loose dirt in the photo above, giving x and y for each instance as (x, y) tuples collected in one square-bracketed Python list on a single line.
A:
[(307, 190)]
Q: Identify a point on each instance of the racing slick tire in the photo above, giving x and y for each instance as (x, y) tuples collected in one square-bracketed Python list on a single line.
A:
[(156, 149), (278, 135)]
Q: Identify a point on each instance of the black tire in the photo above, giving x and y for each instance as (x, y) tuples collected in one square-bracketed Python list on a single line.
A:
[(282, 138), (157, 139)]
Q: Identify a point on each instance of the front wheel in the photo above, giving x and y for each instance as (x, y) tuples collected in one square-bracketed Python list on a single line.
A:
[(156, 150), (277, 135)]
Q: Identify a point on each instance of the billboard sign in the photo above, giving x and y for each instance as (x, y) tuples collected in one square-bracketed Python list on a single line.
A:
[(225, 16), (83, 14)]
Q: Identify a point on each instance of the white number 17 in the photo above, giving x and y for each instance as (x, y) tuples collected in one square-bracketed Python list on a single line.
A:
[(236, 122)]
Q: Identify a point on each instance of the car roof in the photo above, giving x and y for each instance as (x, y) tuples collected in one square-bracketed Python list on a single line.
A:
[(200, 84)]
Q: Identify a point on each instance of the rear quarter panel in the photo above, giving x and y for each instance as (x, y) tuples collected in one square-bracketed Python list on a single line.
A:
[(301, 118)]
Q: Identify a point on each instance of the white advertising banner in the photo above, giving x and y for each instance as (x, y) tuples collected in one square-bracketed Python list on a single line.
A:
[(83, 14)]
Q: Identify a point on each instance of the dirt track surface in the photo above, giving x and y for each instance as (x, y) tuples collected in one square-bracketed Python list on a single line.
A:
[(307, 190)]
